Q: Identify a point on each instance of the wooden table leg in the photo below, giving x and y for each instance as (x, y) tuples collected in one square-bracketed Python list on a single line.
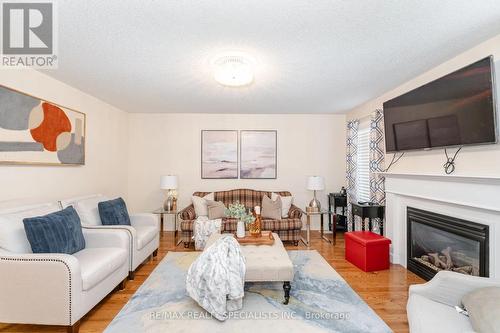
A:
[(287, 287), (329, 220), (161, 224), (334, 229), (321, 231), (353, 222)]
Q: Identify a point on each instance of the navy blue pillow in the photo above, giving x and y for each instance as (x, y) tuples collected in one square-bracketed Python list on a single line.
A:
[(59, 232), (113, 212)]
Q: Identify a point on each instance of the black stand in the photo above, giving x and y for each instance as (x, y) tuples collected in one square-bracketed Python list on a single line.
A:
[(369, 211), (337, 200)]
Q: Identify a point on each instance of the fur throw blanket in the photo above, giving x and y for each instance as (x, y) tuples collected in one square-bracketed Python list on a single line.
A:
[(216, 278), (202, 229)]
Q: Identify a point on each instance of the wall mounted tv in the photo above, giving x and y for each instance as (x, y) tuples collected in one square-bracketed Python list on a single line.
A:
[(457, 109)]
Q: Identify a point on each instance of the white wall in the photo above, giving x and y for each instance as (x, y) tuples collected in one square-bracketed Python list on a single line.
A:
[(105, 170), (170, 144), (473, 161)]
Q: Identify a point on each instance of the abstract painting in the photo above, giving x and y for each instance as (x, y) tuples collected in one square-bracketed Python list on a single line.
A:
[(34, 131), (219, 154), (258, 154)]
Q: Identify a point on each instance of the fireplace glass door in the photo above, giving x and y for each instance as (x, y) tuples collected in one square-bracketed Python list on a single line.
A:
[(438, 242), (443, 250)]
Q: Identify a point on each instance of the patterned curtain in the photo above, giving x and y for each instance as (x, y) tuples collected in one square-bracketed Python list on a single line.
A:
[(352, 158), (377, 156)]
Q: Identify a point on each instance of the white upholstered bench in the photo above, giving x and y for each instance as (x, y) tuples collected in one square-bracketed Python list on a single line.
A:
[(265, 263)]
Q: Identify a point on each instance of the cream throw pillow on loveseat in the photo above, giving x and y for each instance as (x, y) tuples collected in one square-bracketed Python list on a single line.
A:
[(201, 204), (483, 306), (286, 203), (271, 209), (216, 209)]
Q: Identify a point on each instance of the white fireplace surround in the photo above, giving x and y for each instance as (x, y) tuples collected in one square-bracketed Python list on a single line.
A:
[(475, 199)]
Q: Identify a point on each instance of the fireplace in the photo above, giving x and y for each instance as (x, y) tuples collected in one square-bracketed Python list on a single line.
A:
[(437, 242)]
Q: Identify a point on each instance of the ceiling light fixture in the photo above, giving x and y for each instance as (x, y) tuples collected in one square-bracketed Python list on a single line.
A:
[(233, 69)]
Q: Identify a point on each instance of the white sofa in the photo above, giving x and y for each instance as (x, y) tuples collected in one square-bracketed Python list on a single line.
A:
[(144, 231), (431, 306), (56, 289)]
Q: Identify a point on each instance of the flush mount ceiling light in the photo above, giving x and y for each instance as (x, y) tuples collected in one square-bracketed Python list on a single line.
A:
[(233, 69)]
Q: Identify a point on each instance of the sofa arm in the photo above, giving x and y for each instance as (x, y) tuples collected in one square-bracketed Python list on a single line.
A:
[(121, 236), (188, 213), (295, 212), (40, 289), (144, 219), (449, 287)]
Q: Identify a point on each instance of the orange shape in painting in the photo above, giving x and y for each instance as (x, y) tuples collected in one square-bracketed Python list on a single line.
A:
[(54, 123)]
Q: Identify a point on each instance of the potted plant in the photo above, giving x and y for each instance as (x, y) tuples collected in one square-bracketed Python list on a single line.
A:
[(239, 211)]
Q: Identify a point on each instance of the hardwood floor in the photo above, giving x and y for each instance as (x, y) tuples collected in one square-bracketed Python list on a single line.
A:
[(385, 291)]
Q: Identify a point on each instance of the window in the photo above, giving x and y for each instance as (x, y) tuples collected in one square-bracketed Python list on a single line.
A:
[(363, 166)]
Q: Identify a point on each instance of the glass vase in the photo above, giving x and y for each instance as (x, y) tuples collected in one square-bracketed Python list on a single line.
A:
[(240, 229)]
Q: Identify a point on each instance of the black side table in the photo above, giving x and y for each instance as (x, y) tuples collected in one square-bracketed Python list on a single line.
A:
[(337, 200), (369, 211)]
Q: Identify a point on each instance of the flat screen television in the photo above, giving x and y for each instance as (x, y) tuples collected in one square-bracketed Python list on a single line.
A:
[(457, 109)]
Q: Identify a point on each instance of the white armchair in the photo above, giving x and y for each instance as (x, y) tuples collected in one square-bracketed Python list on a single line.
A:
[(431, 306), (56, 289), (143, 233)]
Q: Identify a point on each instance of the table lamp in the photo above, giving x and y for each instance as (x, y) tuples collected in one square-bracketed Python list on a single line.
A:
[(315, 183), (170, 184)]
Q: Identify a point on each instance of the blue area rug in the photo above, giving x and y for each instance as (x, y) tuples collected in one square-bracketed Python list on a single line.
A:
[(321, 301)]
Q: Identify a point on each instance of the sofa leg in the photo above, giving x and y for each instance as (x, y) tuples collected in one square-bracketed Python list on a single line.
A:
[(131, 275), (186, 245), (122, 284), (286, 288), (155, 253), (75, 328)]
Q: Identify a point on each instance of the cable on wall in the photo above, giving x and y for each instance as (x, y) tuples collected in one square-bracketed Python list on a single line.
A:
[(394, 160), (449, 166)]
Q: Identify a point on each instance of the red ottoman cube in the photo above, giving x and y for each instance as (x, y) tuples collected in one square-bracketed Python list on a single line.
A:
[(367, 250)]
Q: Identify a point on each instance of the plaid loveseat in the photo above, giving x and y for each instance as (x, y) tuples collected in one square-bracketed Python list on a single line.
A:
[(288, 228)]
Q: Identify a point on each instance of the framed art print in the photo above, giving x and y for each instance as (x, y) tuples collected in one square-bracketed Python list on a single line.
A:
[(219, 154), (35, 131), (258, 151)]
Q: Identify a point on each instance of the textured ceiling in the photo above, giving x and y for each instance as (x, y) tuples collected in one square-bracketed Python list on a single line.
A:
[(312, 56)]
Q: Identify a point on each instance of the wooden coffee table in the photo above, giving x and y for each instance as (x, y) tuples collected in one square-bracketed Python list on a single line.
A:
[(265, 263)]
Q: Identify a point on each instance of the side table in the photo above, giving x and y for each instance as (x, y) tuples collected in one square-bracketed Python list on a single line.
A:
[(307, 240), (370, 211), (162, 214), (337, 200)]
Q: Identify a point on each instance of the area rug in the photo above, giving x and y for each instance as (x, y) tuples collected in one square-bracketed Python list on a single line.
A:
[(321, 301)]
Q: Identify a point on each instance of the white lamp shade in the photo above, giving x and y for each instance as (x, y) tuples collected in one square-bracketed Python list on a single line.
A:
[(168, 182), (315, 183)]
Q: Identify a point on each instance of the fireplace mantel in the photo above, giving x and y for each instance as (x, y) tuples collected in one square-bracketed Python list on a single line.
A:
[(475, 198), (466, 178), (480, 192)]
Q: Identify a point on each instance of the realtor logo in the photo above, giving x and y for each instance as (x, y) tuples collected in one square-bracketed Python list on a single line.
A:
[(28, 34)]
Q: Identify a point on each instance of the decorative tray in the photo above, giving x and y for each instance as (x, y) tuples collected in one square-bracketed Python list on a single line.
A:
[(267, 238)]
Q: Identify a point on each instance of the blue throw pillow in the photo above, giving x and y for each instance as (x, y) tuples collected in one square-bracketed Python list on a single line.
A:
[(59, 232), (113, 212)]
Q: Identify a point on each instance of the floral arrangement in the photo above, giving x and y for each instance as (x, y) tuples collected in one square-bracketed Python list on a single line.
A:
[(238, 211)]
